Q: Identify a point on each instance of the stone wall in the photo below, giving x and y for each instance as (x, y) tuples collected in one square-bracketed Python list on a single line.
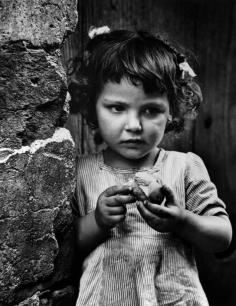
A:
[(36, 155)]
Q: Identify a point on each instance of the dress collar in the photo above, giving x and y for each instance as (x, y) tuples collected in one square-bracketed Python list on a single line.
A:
[(155, 167)]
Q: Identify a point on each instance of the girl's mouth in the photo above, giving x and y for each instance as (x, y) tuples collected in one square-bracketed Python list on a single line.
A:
[(133, 141)]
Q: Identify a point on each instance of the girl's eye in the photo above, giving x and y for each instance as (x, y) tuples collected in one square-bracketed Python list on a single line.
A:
[(116, 108), (151, 112)]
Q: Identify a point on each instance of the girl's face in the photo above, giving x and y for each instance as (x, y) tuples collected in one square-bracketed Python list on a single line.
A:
[(131, 123)]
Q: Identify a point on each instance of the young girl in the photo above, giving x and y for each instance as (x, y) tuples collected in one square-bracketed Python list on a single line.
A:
[(137, 247)]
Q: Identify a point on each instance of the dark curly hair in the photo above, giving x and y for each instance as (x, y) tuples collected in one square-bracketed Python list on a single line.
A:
[(139, 57)]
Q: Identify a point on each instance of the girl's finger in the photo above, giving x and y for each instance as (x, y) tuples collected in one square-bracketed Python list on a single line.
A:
[(117, 210), (146, 213), (156, 196), (118, 200), (158, 210), (117, 218), (117, 189), (168, 193)]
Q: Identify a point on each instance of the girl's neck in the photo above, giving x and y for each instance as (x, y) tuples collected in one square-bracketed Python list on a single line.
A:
[(115, 160)]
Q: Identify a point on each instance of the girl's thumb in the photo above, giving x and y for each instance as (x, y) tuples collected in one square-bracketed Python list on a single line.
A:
[(156, 195), (168, 194)]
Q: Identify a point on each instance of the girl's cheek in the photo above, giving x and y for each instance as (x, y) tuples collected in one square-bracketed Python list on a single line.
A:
[(162, 122), (159, 123)]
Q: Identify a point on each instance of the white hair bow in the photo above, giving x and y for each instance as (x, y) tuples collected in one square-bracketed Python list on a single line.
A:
[(93, 31), (184, 67)]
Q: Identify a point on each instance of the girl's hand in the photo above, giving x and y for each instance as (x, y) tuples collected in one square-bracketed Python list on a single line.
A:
[(166, 218), (111, 206)]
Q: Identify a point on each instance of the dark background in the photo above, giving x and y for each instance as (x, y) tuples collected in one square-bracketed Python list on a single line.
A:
[(208, 30)]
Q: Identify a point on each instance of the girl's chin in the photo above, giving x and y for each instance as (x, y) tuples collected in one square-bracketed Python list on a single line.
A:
[(132, 153), (138, 157), (130, 158)]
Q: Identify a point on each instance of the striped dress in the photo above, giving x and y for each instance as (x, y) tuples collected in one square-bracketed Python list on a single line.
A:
[(136, 265)]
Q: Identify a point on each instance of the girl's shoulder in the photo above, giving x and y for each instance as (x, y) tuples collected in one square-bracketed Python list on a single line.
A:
[(88, 156), (188, 159), (190, 162), (88, 161), (188, 156)]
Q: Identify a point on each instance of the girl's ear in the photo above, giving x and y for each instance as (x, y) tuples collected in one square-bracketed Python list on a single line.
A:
[(169, 119), (97, 137), (169, 123)]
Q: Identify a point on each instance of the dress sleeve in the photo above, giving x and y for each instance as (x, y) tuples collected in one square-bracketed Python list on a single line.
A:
[(201, 194)]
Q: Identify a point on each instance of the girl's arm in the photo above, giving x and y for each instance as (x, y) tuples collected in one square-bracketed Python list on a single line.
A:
[(88, 233), (94, 228), (210, 233)]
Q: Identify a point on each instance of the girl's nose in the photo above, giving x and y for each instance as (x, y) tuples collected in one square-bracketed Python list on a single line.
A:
[(133, 123)]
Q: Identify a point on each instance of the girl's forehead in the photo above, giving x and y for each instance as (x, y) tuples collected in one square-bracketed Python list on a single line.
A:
[(125, 89), (122, 88)]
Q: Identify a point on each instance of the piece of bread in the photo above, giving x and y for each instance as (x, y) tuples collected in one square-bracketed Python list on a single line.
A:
[(150, 185)]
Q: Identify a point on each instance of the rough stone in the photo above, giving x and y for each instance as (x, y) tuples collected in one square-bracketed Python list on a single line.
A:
[(35, 196), (32, 95), (38, 22), (60, 297), (37, 158), (32, 301)]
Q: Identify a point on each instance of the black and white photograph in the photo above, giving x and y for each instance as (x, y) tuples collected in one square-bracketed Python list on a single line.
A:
[(117, 153)]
